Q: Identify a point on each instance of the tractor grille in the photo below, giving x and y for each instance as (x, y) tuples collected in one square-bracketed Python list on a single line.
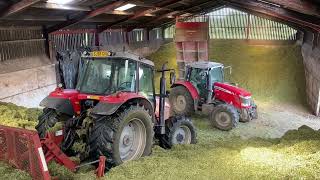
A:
[(19, 148)]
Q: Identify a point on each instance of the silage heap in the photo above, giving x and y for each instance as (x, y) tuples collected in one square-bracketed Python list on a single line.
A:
[(18, 116), (272, 72), (218, 156)]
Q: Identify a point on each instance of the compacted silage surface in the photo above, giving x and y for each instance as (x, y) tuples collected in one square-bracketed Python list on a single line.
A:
[(218, 155), (273, 73)]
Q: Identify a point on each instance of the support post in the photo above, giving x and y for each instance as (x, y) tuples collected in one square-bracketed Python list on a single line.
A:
[(47, 41), (248, 27)]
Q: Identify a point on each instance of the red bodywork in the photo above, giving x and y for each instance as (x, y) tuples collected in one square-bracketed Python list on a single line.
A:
[(193, 91), (230, 94), (75, 97), (222, 91)]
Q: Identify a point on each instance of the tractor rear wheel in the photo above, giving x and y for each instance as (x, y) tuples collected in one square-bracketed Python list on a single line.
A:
[(124, 137), (179, 130), (224, 117), (181, 101), (47, 120)]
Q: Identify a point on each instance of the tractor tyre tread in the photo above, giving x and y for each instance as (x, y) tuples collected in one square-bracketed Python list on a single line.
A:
[(165, 141), (231, 111), (181, 90), (43, 121), (105, 134)]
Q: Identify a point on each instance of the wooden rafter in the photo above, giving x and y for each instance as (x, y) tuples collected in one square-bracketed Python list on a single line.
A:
[(19, 6), (281, 14), (140, 13), (176, 13), (301, 6), (88, 15), (70, 7)]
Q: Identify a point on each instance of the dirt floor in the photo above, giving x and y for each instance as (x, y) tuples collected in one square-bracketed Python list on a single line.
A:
[(283, 143)]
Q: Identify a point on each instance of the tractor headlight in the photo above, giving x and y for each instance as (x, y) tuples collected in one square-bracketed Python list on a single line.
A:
[(245, 101)]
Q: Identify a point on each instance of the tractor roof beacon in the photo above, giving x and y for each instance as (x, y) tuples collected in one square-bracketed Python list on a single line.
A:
[(203, 89), (114, 110)]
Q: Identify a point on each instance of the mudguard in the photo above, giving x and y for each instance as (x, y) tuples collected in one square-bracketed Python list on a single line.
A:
[(192, 90), (59, 104), (105, 108), (189, 86), (110, 104)]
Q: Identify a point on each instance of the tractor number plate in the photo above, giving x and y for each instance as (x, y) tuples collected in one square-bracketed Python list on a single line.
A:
[(100, 53)]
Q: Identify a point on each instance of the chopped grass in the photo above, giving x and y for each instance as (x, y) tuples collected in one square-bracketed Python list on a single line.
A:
[(218, 155), (271, 73), (18, 116), (8, 172)]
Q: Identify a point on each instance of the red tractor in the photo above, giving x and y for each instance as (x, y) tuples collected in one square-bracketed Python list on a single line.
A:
[(203, 89), (114, 110)]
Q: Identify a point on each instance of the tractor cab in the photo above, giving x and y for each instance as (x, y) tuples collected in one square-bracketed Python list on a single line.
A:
[(203, 75), (104, 73)]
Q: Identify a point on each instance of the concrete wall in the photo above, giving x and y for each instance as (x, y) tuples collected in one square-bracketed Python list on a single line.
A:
[(27, 87), (311, 57)]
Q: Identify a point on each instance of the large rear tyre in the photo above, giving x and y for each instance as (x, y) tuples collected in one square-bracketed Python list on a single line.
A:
[(46, 120), (181, 101), (224, 117), (179, 130), (123, 138)]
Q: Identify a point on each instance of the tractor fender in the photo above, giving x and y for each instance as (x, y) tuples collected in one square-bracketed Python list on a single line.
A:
[(192, 90), (109, 105), (189, 86), (61, 105)]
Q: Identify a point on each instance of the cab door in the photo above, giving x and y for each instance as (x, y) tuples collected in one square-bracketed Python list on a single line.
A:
[(146, 83), (199, 79)]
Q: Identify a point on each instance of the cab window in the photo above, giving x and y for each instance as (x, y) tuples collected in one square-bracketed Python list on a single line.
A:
[(146, 86)]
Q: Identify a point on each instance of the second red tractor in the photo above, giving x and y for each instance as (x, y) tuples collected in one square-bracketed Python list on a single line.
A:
[(203, 89)]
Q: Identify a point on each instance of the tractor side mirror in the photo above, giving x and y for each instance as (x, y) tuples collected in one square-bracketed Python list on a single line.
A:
[(172, 77)]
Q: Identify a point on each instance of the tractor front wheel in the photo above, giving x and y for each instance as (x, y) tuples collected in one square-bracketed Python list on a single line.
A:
[(181, 101), (123, 137), (179, 130), (224, 117)]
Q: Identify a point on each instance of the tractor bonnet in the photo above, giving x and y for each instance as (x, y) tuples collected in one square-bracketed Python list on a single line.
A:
[(231, 89)]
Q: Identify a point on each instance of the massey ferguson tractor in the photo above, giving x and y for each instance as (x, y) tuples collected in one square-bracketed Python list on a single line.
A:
[(203, 89), (114, 110)]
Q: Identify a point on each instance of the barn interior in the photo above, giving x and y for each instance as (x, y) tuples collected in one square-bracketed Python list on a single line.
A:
[(272, 46)]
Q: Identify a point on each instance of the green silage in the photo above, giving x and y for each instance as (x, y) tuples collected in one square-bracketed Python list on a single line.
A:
[(272, 73), (218, 155), (18, 116)]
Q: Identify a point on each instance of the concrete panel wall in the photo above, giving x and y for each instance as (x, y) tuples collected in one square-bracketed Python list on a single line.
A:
[(311, 57), (27, 87)]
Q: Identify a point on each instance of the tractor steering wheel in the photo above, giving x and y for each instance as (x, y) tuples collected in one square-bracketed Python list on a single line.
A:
[(124, 85)]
